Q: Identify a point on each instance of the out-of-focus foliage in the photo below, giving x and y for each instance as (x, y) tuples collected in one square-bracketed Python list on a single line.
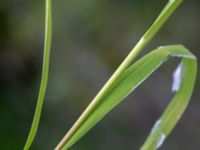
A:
[(99, 34)]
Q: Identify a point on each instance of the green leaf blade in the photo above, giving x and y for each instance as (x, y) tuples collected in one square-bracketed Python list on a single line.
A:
[(128, 81), (177, 106), (44, 78)]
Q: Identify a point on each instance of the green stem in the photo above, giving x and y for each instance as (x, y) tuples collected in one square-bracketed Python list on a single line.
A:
[(44, 79), (159, 22)]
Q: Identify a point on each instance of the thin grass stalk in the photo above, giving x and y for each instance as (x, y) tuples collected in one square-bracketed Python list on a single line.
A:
[(151, 32), (45, 72)]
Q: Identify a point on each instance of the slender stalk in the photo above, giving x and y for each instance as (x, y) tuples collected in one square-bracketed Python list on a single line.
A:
[(44, 79), (159, 22)]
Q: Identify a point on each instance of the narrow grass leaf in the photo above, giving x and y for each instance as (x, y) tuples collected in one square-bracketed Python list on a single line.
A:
[(45, 72), (131, 79)]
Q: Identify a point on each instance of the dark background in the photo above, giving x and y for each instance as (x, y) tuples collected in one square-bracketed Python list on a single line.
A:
[(90, 39)]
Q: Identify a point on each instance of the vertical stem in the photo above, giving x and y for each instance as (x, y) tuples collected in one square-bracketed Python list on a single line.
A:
[(44, 79), (159, 22)]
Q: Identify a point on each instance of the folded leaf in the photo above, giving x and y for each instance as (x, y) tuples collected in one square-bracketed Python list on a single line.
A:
[(131, 79)]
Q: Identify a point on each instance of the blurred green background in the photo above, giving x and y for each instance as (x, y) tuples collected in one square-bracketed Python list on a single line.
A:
[(90, 39)]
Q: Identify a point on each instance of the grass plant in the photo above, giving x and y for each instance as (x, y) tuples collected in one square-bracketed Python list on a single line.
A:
[(125, 80)]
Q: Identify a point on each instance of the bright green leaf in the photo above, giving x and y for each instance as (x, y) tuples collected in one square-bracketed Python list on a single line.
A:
[(131, 79)]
